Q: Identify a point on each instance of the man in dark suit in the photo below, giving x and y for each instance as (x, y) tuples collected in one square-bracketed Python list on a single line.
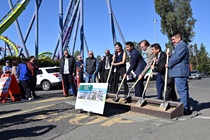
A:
[(179, 69), (68, 71), (137, 64), (160, 58), (106, 66)]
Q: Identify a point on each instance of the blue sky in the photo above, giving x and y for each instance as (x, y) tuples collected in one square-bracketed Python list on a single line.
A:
[(135, 18)]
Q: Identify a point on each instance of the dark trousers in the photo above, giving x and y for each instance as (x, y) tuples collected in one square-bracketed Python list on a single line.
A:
[(101, 74), (159, 86), (139, 88), (120, 72), (81, 77), (67, 82), (33, 80), (170, 90), (25, 89), (111, 78)]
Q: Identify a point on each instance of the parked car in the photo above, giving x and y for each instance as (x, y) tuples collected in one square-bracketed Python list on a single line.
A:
[(48, 77), (195, 75)]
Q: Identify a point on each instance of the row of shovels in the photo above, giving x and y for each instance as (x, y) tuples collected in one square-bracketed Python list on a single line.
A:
[(142, 102)]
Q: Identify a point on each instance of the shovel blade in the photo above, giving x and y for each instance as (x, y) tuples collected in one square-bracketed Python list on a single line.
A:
[(128, 99), (116, 99), (141, 102), (164, 106)]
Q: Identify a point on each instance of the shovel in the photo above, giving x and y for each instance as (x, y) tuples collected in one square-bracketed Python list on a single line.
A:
[(128, 98), (165, 104), (142, 101), (109, 74), (117, 98)]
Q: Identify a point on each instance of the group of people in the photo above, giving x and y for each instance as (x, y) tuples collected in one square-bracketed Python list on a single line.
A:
[(111, 67), (25, 74)]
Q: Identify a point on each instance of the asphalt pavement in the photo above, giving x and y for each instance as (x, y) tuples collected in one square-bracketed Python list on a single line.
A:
[(54, 117)]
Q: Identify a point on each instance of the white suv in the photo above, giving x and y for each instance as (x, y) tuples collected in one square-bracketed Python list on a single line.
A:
[(48, 77)]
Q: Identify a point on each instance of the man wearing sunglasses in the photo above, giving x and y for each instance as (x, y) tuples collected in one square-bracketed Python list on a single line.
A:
[(68, 70)]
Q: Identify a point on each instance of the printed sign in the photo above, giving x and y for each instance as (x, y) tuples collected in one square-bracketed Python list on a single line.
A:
[(91, 97), (4, 84)]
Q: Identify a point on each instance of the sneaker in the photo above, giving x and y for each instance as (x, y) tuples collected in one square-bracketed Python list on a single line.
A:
[(31, 98)]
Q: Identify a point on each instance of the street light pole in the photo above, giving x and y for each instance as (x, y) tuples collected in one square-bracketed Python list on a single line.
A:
[(155, 20)]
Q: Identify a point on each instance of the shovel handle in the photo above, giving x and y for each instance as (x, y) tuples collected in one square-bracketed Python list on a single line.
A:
[(148, 78), (109, 74), (166, 74), (120, 84), (132, 87)]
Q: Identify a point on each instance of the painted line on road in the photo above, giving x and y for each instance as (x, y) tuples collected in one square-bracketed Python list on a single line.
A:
[(97, 120), (77, 119), (25, 111), (203, 117), (48, 100)]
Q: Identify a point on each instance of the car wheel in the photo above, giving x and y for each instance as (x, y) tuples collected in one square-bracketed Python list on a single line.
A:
[(46, 85)]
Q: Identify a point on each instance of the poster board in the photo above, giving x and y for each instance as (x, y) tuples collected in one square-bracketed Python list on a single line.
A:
[(4, 84), (91, 97), (9, 85)]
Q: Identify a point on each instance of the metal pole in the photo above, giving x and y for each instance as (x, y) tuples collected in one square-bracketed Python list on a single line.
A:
[(111, 21), (155, 20), (119, 30), (37, 30), (81, 11), (61, 24), (19, 30), (75, 33)]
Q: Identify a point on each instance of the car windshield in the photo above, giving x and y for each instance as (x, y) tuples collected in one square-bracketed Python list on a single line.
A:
[(52, 70)]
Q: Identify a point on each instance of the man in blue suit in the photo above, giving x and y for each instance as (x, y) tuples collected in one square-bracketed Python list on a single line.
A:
[(137, 64), (179, 69)]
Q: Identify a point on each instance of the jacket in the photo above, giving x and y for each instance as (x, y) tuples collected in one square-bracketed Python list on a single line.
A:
[(179, 61), (160, 66), (91, 65), (24, 73), (137, 63), (71, 62)]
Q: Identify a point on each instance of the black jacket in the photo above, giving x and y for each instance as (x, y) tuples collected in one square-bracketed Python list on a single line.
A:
[(104, 61), (160, 66), (72, 64), (91, 65)]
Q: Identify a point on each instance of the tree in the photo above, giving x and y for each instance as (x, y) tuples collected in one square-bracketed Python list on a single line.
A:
[(76, 54), (176, 16), (199, 58)]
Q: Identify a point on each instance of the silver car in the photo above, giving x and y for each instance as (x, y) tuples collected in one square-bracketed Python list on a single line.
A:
[(195, 75)]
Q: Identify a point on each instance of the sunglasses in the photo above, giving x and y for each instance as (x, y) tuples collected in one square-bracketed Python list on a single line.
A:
[(90, 54)]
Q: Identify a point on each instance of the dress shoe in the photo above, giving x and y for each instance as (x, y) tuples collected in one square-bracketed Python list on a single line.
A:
[(187, 112)]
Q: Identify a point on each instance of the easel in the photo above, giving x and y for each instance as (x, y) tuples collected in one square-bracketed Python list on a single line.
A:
[(9, 85)]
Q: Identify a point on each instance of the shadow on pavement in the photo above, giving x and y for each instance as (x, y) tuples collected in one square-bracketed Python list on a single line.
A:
[(199, 106), (26, 132), (7, 112), (25, 118)]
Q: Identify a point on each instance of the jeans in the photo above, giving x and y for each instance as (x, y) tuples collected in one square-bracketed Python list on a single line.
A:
[(88, 76), (183, 91)]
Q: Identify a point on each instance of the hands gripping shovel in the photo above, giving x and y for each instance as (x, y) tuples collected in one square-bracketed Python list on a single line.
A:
[(142, 101)]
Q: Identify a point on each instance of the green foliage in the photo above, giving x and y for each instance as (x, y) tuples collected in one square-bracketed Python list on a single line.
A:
[(76, 54), (199, 58), (47, 62), (176, 16)]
